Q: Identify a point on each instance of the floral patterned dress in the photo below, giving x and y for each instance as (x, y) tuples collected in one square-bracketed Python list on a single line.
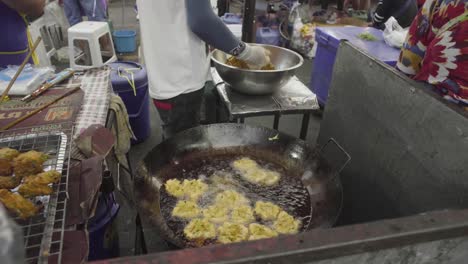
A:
[(436, 49)]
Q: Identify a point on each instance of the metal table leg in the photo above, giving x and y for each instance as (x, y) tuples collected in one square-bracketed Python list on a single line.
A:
[(276, 122), (241, 120), (305, 126)]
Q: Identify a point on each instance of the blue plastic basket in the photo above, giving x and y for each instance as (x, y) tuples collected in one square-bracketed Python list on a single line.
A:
[(125, 41)]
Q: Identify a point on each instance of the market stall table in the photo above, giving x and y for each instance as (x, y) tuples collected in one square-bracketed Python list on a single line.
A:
[(293, 98)]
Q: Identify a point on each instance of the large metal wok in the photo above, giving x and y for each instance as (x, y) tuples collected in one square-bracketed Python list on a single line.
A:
[(172, 159)]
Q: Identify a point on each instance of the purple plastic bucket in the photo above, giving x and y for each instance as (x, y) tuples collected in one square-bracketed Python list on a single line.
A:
[(103, 238), (137, 105)]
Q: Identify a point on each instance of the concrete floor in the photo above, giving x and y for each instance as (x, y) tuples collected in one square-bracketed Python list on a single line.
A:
[(125, 220)]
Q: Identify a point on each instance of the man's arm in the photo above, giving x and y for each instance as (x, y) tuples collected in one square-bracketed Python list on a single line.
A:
[(29, 7), (209, 28)]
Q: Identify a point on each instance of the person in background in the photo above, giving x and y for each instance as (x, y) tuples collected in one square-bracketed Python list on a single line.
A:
[(403, 11), (174, 33), (436, 48), (15, 45), (75, 10), (358, 4), (421, 3)]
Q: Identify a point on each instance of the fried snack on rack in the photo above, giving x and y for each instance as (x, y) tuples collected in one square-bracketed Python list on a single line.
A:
[(29, 190), (242, 215), (29, 163), (8, 153), (200, 229), (230, 199), (232, 233), (266, 210), (5, 167), (9, 182), (186, 210), (216, 214), (258, 231), (286, 224), (17, 204), (44, 178), (194, 189)]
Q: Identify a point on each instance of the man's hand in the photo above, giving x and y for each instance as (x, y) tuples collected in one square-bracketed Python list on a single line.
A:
[(33, 8), (255, 56)]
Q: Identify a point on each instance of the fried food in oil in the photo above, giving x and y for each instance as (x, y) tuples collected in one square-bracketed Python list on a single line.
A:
[(216, 214), (286, 224), (194, 189), (233, 61), (8, 153), (174, 187), (9, 182), (186, 210), (252, 172), (232, 233), (29, 163), (18, 204), (230, 199), (5, 167), (258, 231), (29, 190), (242, 215), (44, 178), (266, 210), (200, 229)]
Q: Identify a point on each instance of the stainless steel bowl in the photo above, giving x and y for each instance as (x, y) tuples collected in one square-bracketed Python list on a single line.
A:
[(259, 82)]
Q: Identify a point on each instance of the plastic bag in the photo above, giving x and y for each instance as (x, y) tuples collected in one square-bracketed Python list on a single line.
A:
[(29, 80), (394, 35), (303, 38)]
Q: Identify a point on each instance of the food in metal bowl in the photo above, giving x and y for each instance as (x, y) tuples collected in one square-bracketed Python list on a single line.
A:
[(235, 62)]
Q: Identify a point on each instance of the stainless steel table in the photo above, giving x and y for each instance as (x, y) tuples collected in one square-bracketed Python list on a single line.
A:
[(294, 98)]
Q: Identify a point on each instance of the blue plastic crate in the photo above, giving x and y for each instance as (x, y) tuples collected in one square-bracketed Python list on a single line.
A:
[(328, 40)]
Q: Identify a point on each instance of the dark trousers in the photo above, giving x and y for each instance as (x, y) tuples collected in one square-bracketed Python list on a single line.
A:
[(324, 4), (180, 113)]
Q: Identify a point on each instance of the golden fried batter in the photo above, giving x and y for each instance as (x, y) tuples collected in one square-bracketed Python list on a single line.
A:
[(186, 210), (200, 229), (230, 199), (231, 233), (258, 231), (5, 167), (194, 189), (242, 215), (9, 182), (29, 163), (29, 190), (17, 204), (286, 224), (8, 153), (266, 210), (252, 172), (174, 187), (44, 178), (216, 214)]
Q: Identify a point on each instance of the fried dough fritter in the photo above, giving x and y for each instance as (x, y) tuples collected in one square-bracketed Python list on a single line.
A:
[(216, 214), (5, 167), (174, 187), (29, 190), (286, 224), (258, 231), (242, 215), (29, 163), (194, 189), (232, 233), (200, 229), (17, 204), (253, 173), (186, 210), (230, 199), (266, 210), (44, 178), (8, 153), (9, 182)]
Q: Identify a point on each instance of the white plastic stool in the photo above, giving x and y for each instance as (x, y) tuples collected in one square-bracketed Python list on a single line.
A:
[(90, 45)]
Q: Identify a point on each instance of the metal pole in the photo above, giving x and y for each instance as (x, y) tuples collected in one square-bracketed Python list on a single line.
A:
[(249, 21), (123, 13)]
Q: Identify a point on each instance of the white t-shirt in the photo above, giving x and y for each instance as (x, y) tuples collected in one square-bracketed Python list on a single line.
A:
[(175, 57)]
